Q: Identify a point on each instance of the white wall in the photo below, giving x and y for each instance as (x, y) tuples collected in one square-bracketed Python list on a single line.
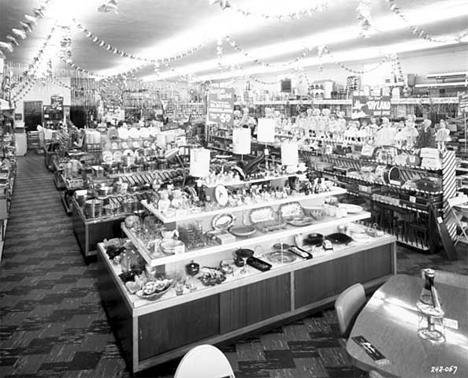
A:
[(40, 92)]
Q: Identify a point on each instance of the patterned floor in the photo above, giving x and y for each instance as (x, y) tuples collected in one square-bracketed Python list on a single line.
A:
[(52, 323)]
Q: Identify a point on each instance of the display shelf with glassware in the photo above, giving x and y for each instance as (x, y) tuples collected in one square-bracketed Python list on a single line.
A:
[(210, 266)]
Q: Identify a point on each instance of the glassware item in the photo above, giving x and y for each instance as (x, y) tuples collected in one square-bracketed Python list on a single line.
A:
[(430, 308)]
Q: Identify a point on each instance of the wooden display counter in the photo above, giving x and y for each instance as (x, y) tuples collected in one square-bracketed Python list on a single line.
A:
[(89, 232), (151, 333)]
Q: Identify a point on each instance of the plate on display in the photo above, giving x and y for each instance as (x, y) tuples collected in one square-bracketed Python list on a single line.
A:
[(107, 157), (118, 156), (144, 132), (114, 145), (128, 152), (153, 131), (124, 145), (123, 133), (300, 221), (279, 257), (134, 133), (242, 231), (136, 145), (339, 238), (221, 195), (351, 209)]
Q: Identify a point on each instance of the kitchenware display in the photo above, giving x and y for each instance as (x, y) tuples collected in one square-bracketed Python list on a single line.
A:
[(281, 246), (244, 230), (123, 133), (221, 195), (339, 238), (118, 156), (351, 209), (153, 290), (281, 257), (144, 132), (93, 208), (314, 212), (227, 266), (293, 214), (258, 264), (223, 221), (169, 247), (300, 252), (134, 133), (211, 276), (107, 157), (314, 239), (244, 254), (265, 219), (127, 152)]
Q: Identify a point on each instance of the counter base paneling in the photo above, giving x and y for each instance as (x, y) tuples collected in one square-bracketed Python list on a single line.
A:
[(156, 332)]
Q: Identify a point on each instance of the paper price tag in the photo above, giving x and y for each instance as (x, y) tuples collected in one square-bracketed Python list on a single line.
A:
[(451, 323), (412, 199), (179, 249)]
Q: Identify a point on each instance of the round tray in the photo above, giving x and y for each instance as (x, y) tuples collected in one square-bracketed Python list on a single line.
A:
[(242, 231), (300, 221), (279, 257)]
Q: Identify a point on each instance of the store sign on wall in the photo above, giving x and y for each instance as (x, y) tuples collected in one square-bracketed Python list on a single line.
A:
[(371, 106), (221, 105)]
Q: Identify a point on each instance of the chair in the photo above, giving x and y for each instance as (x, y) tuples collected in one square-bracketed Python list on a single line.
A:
[(449, 278), (375, 374), (348, 305), (204, 361)]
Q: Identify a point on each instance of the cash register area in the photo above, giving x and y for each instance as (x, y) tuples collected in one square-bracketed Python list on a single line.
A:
[(52, 323)]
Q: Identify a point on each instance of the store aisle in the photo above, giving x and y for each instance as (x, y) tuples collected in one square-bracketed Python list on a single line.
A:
[(52, 323)]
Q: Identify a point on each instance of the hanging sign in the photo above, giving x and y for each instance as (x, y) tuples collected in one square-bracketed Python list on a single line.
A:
[(463, 104), (371, 106), (221, 105)]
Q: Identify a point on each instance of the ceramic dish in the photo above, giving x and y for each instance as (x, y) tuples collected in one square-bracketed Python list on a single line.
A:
[(107, 157), (134, 133), (300, 221), (169, 247), (242, 231), (339, 238), (351, 209), (123, 133), (144, 132), (158, 293), (118, 156), (279, 257)]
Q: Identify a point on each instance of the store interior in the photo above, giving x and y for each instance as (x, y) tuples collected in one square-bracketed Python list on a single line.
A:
[(222, 172)]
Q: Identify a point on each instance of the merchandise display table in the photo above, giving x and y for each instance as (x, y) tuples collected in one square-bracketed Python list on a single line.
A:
[(89, 232), (152, 332)]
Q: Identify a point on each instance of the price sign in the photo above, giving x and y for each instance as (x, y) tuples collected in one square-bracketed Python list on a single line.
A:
[(221, 105)]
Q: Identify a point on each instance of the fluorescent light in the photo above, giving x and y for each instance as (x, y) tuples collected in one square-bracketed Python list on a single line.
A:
[(447, 74), (435, 12)]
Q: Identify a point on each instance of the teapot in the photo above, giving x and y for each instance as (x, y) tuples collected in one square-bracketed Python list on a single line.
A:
[(169, 234)]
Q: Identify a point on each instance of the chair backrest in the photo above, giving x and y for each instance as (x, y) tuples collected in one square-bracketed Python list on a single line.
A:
[(204, 361), (375, 374), (449, 278), (348, 305)]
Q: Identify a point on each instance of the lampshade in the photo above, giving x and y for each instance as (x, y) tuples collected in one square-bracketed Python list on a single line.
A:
[(289, 154), (266, 130), (199, 162), (241, 140)]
